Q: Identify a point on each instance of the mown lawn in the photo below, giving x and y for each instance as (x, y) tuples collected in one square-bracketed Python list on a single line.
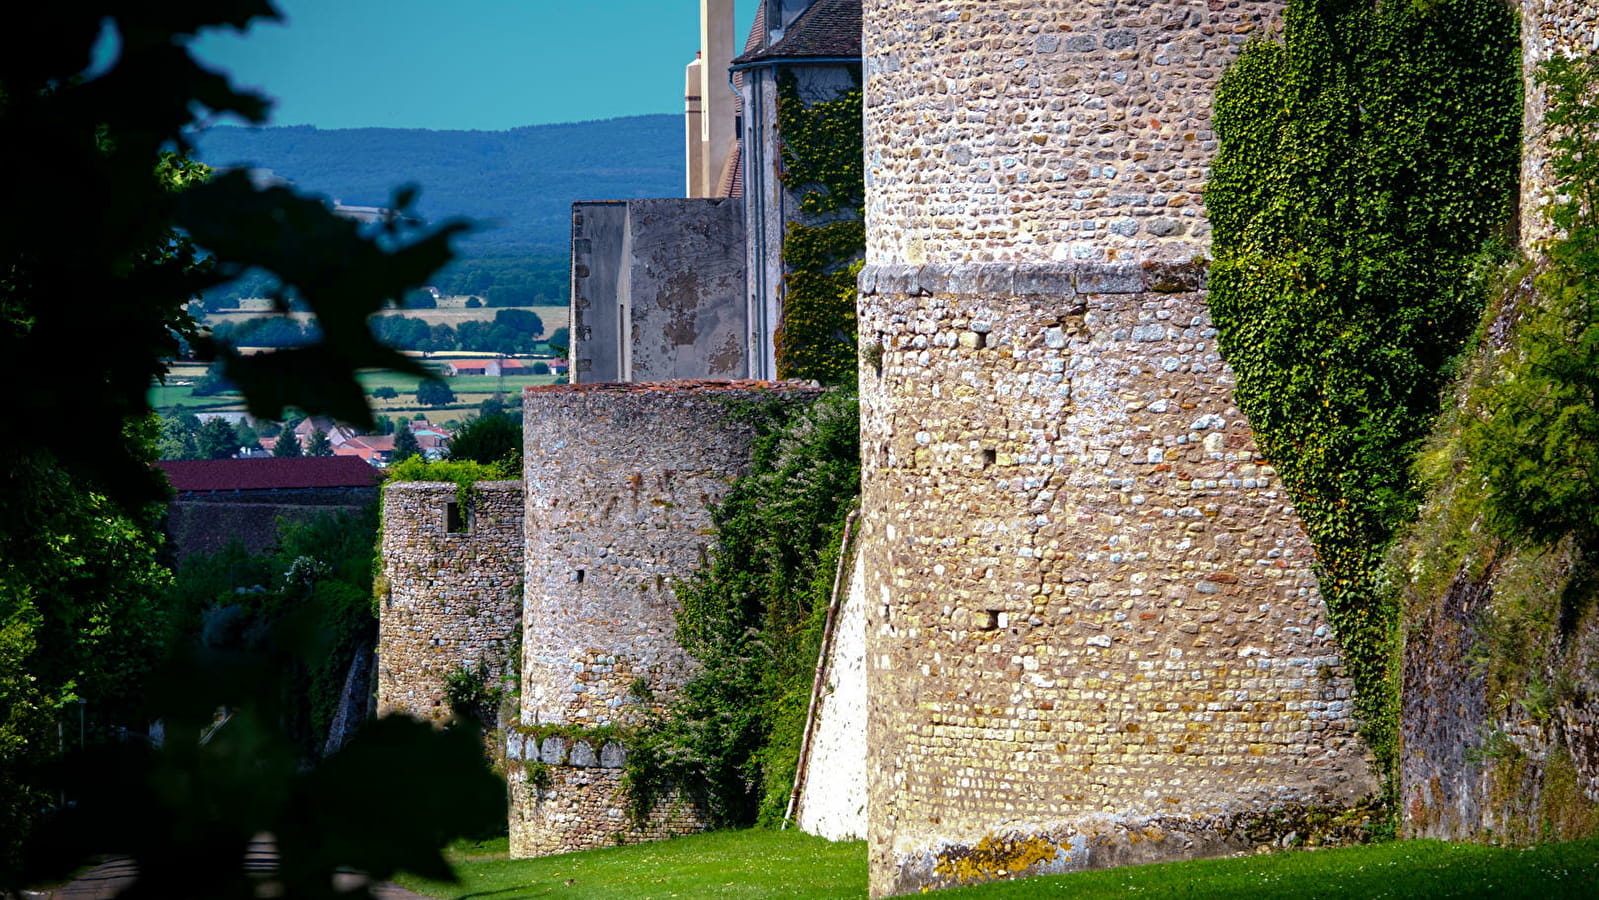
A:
[(750, 864)]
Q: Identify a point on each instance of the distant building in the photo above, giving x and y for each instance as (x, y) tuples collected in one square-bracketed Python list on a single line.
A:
[(693, 287), (221, 500), (485, 367)]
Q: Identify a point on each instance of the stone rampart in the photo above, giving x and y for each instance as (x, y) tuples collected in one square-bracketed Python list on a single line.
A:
[(1094, 636), (1548, 28), (567, 795), (1046, 130), (620, 480), (450, 595)]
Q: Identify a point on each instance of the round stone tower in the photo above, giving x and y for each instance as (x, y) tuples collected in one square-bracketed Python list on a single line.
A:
[(1095, 637)]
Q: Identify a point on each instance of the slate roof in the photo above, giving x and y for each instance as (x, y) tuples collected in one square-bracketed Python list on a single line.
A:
[(828, 29), (269, 474)]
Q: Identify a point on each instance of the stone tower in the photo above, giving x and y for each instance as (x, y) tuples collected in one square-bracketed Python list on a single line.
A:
[(1094, 636)]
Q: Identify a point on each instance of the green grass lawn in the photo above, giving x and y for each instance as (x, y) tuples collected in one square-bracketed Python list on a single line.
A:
[(740, 864)]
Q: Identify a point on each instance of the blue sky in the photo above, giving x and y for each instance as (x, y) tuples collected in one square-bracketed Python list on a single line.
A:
[(472, 64)]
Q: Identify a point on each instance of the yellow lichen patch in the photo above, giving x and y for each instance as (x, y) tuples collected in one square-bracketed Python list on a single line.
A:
[(995, 856)]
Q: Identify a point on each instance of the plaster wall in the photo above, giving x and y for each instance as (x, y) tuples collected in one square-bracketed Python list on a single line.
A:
[(597, 236), (658, 290), (446, 600), (833, 802)]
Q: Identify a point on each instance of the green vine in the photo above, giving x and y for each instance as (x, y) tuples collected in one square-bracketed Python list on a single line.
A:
[(822, 156), (753, 619), (1365, 161)]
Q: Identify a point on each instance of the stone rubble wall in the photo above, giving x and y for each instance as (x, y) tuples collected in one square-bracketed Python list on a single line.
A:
[(833, 801), (1044, 130), (1548, 28), (620, 482), (446, 600), (581, 804), (621, 479), (1094, 636)]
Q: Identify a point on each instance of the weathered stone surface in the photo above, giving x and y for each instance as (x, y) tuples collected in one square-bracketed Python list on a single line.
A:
[(620, 480), (446, 600), (1092, 607), (1548, 28), (1055, 130), (584, 808)]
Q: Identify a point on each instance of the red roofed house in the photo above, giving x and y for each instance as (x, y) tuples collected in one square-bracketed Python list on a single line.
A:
[(484, 367), (220, 500)]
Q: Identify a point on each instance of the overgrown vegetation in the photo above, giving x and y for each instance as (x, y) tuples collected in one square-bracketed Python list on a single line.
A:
[(311, 586), (1366, 159), (823, 157), (753, 619), (1512, 473)]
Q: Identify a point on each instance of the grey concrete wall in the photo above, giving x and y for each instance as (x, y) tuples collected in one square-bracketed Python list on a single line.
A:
[(685, 289), (598, 229), (658, 290)]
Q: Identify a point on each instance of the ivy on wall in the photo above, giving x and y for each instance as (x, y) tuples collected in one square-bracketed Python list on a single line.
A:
[(823, 159), (753, 619), (1365, 160)]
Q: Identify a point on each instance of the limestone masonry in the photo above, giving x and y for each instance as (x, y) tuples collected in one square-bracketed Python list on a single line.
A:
[(1043, 130), (450, 594), (1093, 633), (620, 480)]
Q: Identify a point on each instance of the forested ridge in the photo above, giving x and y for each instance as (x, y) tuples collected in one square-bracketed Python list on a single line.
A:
[(517, 185)]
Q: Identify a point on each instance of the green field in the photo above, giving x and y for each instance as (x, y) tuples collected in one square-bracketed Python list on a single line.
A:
[(753, 864), (470, 392)]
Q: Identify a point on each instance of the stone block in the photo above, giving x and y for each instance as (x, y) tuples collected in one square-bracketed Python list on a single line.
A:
[(583, 755)]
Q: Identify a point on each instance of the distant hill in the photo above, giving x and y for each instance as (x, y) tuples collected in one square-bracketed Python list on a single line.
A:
[(518, 184)]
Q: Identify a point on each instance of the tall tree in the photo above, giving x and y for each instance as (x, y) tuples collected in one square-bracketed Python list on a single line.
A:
[(217, 439), (77, 532), (405, 445), (288, 446), (319, 444)]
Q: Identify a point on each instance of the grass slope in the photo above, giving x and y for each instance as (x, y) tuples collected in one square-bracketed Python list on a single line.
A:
[(740, 864)]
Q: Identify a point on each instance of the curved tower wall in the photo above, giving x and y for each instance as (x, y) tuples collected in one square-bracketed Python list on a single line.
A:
[(620, 482), (1094, 636)]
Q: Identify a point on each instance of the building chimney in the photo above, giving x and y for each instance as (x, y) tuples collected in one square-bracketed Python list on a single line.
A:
[(717, 101), (693, 128)]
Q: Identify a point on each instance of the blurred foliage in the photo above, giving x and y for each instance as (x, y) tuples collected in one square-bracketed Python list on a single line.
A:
[(109, 232), (753, 619)]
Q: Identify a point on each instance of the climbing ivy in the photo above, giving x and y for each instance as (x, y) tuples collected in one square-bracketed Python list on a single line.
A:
[(1365, 159), (822, 159), (753, 619)]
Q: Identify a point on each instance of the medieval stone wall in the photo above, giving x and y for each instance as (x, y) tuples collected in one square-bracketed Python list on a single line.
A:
[(1045, 129), (1093, 635), (448, 599), (1093, 621), (567, 795), (620, 480), (1548, 28)]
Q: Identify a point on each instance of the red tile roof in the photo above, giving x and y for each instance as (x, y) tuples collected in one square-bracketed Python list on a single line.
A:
[(269, 474)]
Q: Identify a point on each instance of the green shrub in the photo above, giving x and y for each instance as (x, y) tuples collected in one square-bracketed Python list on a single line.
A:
[(752, 618)]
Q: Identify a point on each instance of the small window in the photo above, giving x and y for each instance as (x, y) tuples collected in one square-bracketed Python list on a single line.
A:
[(578, 577), (988, 458), (989, 620), (981, 341), (454, 519)]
